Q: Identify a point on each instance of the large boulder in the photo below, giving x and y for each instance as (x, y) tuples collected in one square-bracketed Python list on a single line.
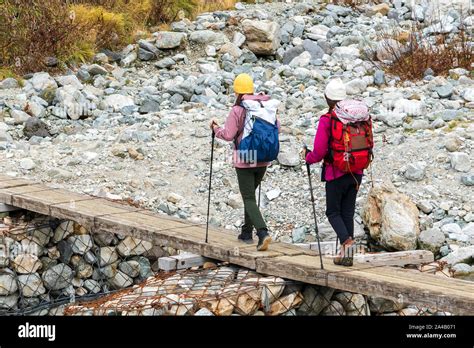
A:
[(392, 218), (263, 37)]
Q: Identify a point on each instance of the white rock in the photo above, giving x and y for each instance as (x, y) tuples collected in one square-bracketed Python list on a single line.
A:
[(117, 101), (27, 164), (273, 194), (468, 94), (302, 60), (239, 39)]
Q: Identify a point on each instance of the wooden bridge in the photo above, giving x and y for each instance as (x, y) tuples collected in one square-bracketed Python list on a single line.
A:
[(282, 260)]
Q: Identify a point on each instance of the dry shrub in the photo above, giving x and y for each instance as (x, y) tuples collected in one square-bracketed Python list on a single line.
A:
[(105, 29), (31, 30), (417, 52)]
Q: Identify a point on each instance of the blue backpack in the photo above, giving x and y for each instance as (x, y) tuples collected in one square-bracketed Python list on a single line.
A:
[(260, 141)]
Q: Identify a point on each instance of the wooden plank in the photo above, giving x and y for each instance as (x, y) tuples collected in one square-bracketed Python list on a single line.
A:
[(5, 208), (245, 257), (39, 201), (305, 268), (6, 194), (15, 182), (399, 258), (7, 177), (85, 212), (165, 232), (424, 278)]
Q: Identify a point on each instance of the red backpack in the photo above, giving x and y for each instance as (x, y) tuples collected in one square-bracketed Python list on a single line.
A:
[(351, 140)]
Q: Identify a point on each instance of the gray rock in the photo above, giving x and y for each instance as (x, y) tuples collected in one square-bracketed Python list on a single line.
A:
[(132, 246), (168, 39), (149, 106), (165, 63), (58, 277), (31, 285), (8, 283), (145, 55), (107, 255), (302, 60), (299, 235), (334, 309), (468, 179), (9, 83), (460, 161), (19, 117), (81, 244), (35, 127), (444, 91), (432, 240), (425, 206), (71, 80), (415, 171), (120, 280), (438, 123), (92, 286), (206, 37), (379, 77), (5, 136), (314, 49), (356, 86), (42, 81), (315, 300), (148, 46), (461, 255), (381, 305), (130, 268), (9, 302), (96, 69), (352, 303), (292, 53), (289, 159)]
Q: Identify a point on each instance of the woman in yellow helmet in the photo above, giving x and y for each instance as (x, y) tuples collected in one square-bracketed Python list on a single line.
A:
[(249, 175)]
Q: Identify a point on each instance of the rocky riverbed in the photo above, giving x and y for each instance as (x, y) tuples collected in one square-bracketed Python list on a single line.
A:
[(133, 125)]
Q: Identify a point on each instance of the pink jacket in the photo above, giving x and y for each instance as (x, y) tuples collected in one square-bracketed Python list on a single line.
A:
[(321, 149), (233, 127)]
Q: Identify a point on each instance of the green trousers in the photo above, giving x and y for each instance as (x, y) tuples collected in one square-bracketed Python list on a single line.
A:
[(249, 179)]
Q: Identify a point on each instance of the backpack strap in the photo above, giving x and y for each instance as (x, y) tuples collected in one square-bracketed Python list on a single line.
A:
[(240, 131)]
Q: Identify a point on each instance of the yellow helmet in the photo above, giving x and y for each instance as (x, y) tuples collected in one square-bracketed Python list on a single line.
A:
[(243, 84)]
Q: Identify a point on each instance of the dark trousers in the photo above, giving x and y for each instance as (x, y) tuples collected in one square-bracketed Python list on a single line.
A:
[(249, 179), (341, 196)]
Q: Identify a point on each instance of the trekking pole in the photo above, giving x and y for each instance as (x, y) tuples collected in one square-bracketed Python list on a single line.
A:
[(314, 209), (259, 194), (210, 185)]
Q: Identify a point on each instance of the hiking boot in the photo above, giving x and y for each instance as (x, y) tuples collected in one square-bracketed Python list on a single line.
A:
[(246, 235), (264, 239), (346, 255)]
